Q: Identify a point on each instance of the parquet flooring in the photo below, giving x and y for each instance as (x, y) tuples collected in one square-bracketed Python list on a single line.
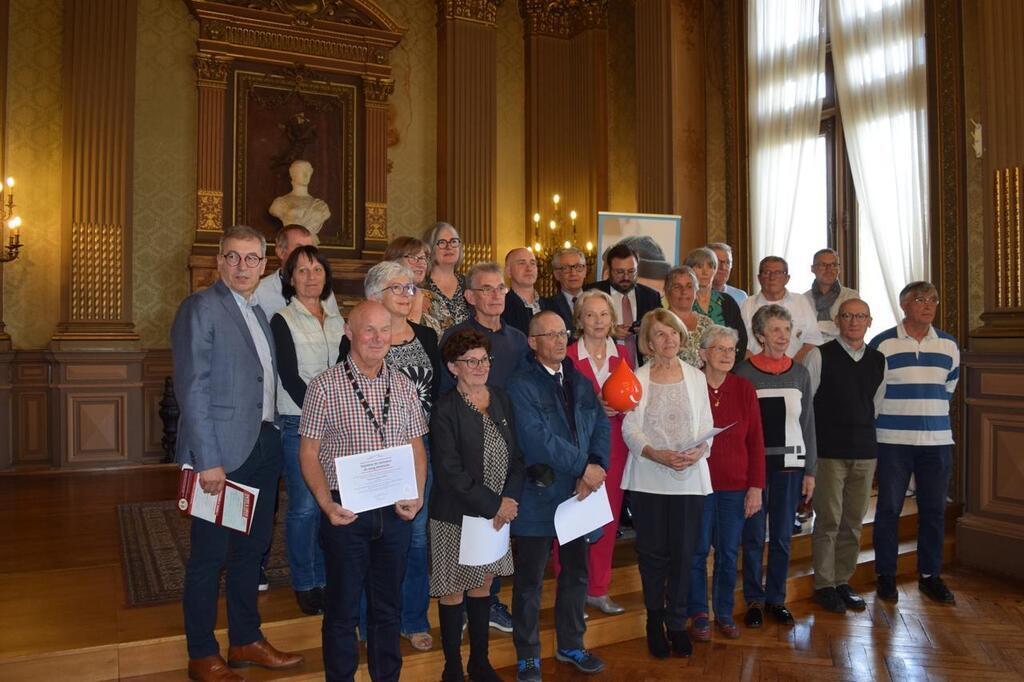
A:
[(981, 637)]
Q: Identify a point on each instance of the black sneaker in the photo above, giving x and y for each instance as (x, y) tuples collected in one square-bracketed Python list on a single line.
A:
[(886, 589), (828, 598), (264, 583), (581, 659), (682, 647), (528, 670), (500, 619), (755, 616), (936, 590), (780, 613), (850, 598), (311, 602)]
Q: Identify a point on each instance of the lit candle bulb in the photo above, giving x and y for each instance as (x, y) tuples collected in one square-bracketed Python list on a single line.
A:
[(10, 182), (556, 199), (590, 246), (552, 224), (536, 247), (572, 216), (14, 223), (536, 217), (567, 244)]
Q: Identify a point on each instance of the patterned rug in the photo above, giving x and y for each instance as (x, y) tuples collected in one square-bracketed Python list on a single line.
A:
[(155, 547)]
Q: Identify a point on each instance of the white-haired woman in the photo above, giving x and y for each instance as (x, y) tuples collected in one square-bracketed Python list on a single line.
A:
[(719, 306), (415, 354), (448, 305), (667, 478)]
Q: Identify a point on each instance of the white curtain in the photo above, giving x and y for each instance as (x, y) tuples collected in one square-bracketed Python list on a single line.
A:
[(878, 48), (785, 76)]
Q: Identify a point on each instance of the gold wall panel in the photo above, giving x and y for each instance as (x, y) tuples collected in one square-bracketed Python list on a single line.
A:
[(511, 89), (622, 170), (32, 284), (164, 179), (97, 272)]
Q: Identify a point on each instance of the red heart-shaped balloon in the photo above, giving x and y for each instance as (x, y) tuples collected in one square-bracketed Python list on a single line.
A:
[(622, 390)]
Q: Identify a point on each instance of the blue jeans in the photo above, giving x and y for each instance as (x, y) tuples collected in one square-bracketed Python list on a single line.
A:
[(416, 586), (214, 547), (368, 554), (722, 526), (931, 466), (305, 558), (780, 500)]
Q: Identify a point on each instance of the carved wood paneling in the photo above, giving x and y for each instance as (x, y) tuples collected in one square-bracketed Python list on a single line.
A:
[(211, 84), (98, 428), (31, 445), (155, 368), (99, 101)]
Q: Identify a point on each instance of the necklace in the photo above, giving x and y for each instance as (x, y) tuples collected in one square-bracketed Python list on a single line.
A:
[(715, 396)]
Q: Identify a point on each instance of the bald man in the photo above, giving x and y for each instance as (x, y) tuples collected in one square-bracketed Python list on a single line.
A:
[(522, 301), (357, 406)]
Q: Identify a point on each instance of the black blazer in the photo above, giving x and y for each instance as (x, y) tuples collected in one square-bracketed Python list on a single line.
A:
[(733, 318), (517, 314), (427, 338), (456, 454), (647, 299), (557, 303)]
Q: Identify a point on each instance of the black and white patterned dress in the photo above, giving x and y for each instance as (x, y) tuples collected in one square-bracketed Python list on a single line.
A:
[(447, 575), (411, 359)]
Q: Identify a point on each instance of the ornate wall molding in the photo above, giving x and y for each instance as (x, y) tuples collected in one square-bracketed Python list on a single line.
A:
[(377, 221), (562, 18), (211, 71), (482, 11), (378, 89), (307, 13)]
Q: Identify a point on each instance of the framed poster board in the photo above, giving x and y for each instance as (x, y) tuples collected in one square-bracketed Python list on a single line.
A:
[(653, 236)]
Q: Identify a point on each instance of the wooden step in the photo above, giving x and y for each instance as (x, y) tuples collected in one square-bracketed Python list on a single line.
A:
[(162, 658)]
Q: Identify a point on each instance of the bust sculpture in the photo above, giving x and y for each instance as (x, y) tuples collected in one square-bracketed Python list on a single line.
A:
[(298, 207)]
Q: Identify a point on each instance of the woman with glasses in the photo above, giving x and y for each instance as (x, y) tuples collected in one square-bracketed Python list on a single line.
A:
[(478, 472), (306, 334), (414, 353), (736, 464), (718, 305), (668, 478), (448, 306), (596, 355), (680, 292), (414, 254), (787, 420)]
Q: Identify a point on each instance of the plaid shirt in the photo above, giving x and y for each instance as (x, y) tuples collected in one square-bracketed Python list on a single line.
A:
[(332, 414)]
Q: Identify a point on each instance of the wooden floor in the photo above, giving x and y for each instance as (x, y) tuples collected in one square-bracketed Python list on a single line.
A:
[(61, 589), (980, 638)]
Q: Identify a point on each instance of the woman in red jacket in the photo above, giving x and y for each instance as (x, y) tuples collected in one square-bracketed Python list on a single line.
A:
[(596, 355)]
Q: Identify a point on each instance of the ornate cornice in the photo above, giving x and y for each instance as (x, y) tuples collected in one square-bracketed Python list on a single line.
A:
[(378, 89), (563, 18), (210, 68), (269, 39), (305, 12), (481, 11)]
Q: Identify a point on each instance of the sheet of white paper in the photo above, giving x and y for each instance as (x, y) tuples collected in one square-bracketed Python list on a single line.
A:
[(481, 544), (236, 514), (376, 479), (575, 518), (204, 505), (704, 437)]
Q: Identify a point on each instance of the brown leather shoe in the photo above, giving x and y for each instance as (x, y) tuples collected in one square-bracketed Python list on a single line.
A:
[(264, 655), (211, 669)]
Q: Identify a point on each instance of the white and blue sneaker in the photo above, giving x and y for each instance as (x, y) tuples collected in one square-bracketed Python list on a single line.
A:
[(500, 618), (583, 660)]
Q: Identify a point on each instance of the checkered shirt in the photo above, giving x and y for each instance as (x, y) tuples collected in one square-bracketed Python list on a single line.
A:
[(332, 414)]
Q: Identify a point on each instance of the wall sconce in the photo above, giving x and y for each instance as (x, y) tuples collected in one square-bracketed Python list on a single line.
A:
[(11, 223)]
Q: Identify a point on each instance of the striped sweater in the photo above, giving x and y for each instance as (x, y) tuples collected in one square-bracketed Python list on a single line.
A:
[(912, 406)]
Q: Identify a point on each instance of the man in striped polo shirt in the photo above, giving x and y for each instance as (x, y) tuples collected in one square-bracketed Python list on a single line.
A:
[(922, 365)]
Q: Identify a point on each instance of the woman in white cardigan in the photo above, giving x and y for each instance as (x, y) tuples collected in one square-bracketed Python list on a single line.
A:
[(667, 483)]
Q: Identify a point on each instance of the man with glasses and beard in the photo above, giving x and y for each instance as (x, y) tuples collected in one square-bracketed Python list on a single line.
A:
[(631, 299)]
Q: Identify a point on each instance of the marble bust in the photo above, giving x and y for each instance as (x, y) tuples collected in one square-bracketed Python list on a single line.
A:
[(298, 207)]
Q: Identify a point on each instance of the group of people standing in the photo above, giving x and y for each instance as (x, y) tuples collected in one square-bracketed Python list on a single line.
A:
[(498, 392)]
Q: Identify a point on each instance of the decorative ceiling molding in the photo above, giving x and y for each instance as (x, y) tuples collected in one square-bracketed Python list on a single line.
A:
[(563, 18), (482, 11), (307, 12)]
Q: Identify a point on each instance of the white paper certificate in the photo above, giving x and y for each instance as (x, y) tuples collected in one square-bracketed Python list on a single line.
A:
[(575, 518), (705, 437), (481, 544), (376, 479)]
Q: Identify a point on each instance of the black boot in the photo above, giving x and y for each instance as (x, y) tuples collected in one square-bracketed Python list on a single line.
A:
[(451, 641), (681, 644), (478, 610), (656, 642)]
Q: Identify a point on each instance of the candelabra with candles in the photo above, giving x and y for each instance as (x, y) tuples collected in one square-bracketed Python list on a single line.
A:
[(10, 222), (558, 235)]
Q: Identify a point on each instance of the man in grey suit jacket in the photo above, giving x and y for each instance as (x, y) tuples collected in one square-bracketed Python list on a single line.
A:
[(225, 378)]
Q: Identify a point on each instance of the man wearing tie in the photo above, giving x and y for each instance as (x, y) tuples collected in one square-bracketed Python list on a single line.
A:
[(563, 434), (631, 299), (225, 379), (569, 268)]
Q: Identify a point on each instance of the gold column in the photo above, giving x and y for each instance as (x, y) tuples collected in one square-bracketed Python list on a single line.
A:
[(6, 441), (467, 128), (566, 109), (211, 82), (375, 95), (99, 113), (671, 159)]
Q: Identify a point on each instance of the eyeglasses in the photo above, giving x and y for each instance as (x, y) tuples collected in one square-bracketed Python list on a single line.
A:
[(562, 335), (452, 243), (931, 300), (619, 272), (860, 317), (578, 267), (251, 259), (772, 274), (399, 289), (473, 363), (490, 291), (416, 259), (827, 266), (730, 350)]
